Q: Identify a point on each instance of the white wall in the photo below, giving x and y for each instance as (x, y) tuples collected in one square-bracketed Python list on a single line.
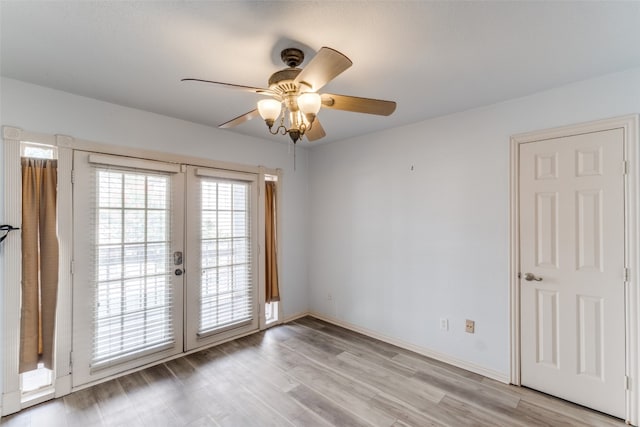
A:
[(398, 248), (38, 109)]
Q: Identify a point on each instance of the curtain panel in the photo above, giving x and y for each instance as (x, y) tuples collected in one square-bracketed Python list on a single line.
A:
[(39, 262), (271, 243)]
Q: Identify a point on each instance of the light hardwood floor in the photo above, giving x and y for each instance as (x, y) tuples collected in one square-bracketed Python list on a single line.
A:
[(306, 373)]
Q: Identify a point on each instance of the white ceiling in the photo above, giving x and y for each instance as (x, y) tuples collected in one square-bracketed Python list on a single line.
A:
[(433, 58)]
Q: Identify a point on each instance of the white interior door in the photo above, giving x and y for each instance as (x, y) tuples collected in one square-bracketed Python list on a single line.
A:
[(572, 264), (221, 257), (127, 299)]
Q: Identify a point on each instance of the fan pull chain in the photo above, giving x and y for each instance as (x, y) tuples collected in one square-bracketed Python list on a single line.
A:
[(292, 148)]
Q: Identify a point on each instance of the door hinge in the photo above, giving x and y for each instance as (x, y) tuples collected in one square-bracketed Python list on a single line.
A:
[(625, 167), (71, 267), (70, 361), (73, 176), (626, 274), (627, 382)]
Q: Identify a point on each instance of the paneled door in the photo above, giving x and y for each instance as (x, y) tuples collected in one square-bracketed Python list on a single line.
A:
[(221, 257), (572, 265)]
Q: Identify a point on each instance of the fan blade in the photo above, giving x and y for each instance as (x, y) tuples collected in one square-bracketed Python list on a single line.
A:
[(240, 119), (322, 68), (232, 86), (316, 131), (358, 105)]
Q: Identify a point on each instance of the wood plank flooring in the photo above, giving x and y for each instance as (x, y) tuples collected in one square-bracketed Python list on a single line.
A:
[(306, 373)]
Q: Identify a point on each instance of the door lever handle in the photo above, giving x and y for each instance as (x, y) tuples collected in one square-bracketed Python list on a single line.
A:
[(530, 276)]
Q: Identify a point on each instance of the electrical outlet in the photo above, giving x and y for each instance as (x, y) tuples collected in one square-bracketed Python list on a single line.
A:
[(444, 324), (329, 296), (470, 326)]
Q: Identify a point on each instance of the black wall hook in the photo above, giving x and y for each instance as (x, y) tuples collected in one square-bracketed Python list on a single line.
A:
[(7, 229)]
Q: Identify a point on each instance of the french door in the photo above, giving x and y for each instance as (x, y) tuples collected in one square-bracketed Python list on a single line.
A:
[(221, 268), (157, 273)]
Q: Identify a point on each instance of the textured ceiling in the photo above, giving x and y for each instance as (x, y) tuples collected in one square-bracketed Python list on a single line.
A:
[(433, 58)]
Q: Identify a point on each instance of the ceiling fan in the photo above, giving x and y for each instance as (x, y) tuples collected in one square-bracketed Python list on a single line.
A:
[(296, 90)]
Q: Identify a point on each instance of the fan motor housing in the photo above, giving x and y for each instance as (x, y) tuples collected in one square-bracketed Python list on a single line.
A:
[(282, 82), (282, 76)]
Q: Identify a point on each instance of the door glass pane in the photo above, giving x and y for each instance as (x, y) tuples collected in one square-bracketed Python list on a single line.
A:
[(226, 290), (133, 300)]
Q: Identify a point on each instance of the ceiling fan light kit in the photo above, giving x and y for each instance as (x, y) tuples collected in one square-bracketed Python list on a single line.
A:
[(310, 103), (269, 110), (300, 109), (294, 98)]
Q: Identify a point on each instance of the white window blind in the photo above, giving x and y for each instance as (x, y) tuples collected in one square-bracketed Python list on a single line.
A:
[(132, 287), (226, 282)]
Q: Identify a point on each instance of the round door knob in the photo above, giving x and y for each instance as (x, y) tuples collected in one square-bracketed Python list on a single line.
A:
[(178, 272), (531, 277)]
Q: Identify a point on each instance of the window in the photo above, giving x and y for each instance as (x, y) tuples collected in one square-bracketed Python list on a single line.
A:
[(271, 312), (37, 150), (36, 380), (41, 378), (133, 295), (225, 287), (272, 293)]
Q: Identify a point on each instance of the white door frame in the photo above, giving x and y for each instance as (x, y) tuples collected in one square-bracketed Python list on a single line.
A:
[(632, 239), (11, 399)]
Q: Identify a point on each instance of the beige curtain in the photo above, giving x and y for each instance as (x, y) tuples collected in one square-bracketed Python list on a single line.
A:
[(271, 243), (39, 262)]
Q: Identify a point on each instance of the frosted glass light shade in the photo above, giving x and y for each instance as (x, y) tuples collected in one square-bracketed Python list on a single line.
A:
[(309, 103), (269, 109)]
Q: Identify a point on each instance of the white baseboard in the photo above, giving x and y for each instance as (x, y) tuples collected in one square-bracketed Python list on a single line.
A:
[(296, 316), (489, 373)]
